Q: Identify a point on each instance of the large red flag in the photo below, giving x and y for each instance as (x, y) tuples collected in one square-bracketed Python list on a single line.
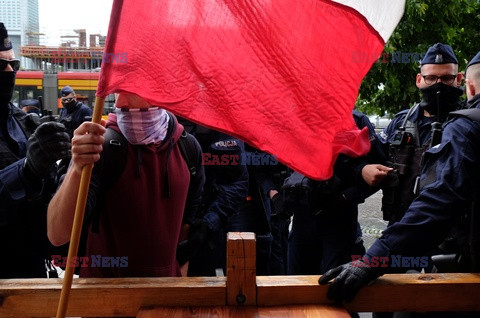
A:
[(282, 75)]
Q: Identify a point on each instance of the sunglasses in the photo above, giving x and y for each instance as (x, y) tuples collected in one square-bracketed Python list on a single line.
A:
[(15, 64), (67, 100)]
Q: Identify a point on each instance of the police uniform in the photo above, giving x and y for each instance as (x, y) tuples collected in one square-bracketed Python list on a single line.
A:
[(23, 198), (321, 241), (449, 191), (409, 135), (226, 188), (23, 205), (73, 116), (450, 184), (254, 213)]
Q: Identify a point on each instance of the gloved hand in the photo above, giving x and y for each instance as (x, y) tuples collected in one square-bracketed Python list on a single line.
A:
[(277, 204), (197, 236), (278, 207), (46, 145), (349, 278)]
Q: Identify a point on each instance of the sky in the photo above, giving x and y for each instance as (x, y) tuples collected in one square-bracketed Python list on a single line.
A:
[(61, 17)]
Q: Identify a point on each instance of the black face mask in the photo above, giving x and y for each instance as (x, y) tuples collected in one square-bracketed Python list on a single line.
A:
[(440, 99), (70, 105), (7, 83)]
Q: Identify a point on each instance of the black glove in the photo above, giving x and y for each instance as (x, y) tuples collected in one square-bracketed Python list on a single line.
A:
[(197, 236), (46, 145), (278, 206), (349, 278)]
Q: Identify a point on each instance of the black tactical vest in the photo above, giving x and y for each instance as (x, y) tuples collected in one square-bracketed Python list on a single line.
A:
[(405, 156)]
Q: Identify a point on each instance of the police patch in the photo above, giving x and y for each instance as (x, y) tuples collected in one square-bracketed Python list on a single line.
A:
[(226, 143)]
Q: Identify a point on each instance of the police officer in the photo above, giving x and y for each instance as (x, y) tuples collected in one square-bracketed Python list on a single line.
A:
[(326, 233), (255, 213), (73, 112), (409, 134), (226, 188), (270, 180), (31, 106), (27, 162), (447, 204)]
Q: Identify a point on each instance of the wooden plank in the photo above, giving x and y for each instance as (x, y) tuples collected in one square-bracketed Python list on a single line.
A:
[(125, 296), (421, 292), (108, 297), (395, 292), (296, 311), (241, 272)]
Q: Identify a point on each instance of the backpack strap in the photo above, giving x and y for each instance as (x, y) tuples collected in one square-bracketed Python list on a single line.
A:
[(471, 113), (112, 163), (114, 156), (186, 143)]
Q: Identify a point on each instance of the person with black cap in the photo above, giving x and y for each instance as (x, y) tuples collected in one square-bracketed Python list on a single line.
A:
[(27, 176), (73, 112), (31, 106), (446, 211), (413, 131)]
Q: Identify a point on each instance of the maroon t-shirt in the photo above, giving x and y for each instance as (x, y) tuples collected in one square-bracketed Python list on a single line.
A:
[(139, 227)]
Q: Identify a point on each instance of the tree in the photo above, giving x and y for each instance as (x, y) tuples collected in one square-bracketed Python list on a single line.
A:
[(390, 84)]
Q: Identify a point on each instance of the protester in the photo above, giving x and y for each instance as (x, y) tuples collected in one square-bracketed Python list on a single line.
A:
[(143, 191)]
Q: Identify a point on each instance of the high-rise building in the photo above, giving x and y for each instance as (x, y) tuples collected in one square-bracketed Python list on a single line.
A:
[(21, 20)]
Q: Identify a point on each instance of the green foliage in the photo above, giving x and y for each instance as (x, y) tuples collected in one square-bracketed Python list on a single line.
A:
[(390, 87)]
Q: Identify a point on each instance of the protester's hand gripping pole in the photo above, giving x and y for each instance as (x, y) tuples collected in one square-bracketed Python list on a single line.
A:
[(78, 221)]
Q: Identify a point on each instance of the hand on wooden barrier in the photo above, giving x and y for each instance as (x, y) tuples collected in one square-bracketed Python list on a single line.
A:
[(348, 279)]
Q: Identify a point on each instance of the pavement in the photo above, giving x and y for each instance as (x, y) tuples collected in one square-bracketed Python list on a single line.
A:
[(372, 225), (370, 219)]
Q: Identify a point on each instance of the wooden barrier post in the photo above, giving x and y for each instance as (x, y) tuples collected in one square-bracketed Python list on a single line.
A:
[(241, 272)]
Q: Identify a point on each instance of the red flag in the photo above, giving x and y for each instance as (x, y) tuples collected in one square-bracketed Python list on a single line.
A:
[(282, 75)]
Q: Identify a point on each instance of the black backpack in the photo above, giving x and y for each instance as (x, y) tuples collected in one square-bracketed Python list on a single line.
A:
[(115, 154)]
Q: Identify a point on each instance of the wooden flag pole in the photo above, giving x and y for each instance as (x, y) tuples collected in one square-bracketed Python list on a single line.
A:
[(78, 220)]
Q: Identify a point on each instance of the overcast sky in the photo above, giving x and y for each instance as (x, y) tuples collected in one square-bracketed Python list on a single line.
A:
[(60, 17)]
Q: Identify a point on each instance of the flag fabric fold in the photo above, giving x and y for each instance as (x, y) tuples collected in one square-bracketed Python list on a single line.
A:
[(282, 75)]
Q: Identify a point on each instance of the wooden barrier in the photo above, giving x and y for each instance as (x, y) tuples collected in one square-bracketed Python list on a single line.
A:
[(234, 295)]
